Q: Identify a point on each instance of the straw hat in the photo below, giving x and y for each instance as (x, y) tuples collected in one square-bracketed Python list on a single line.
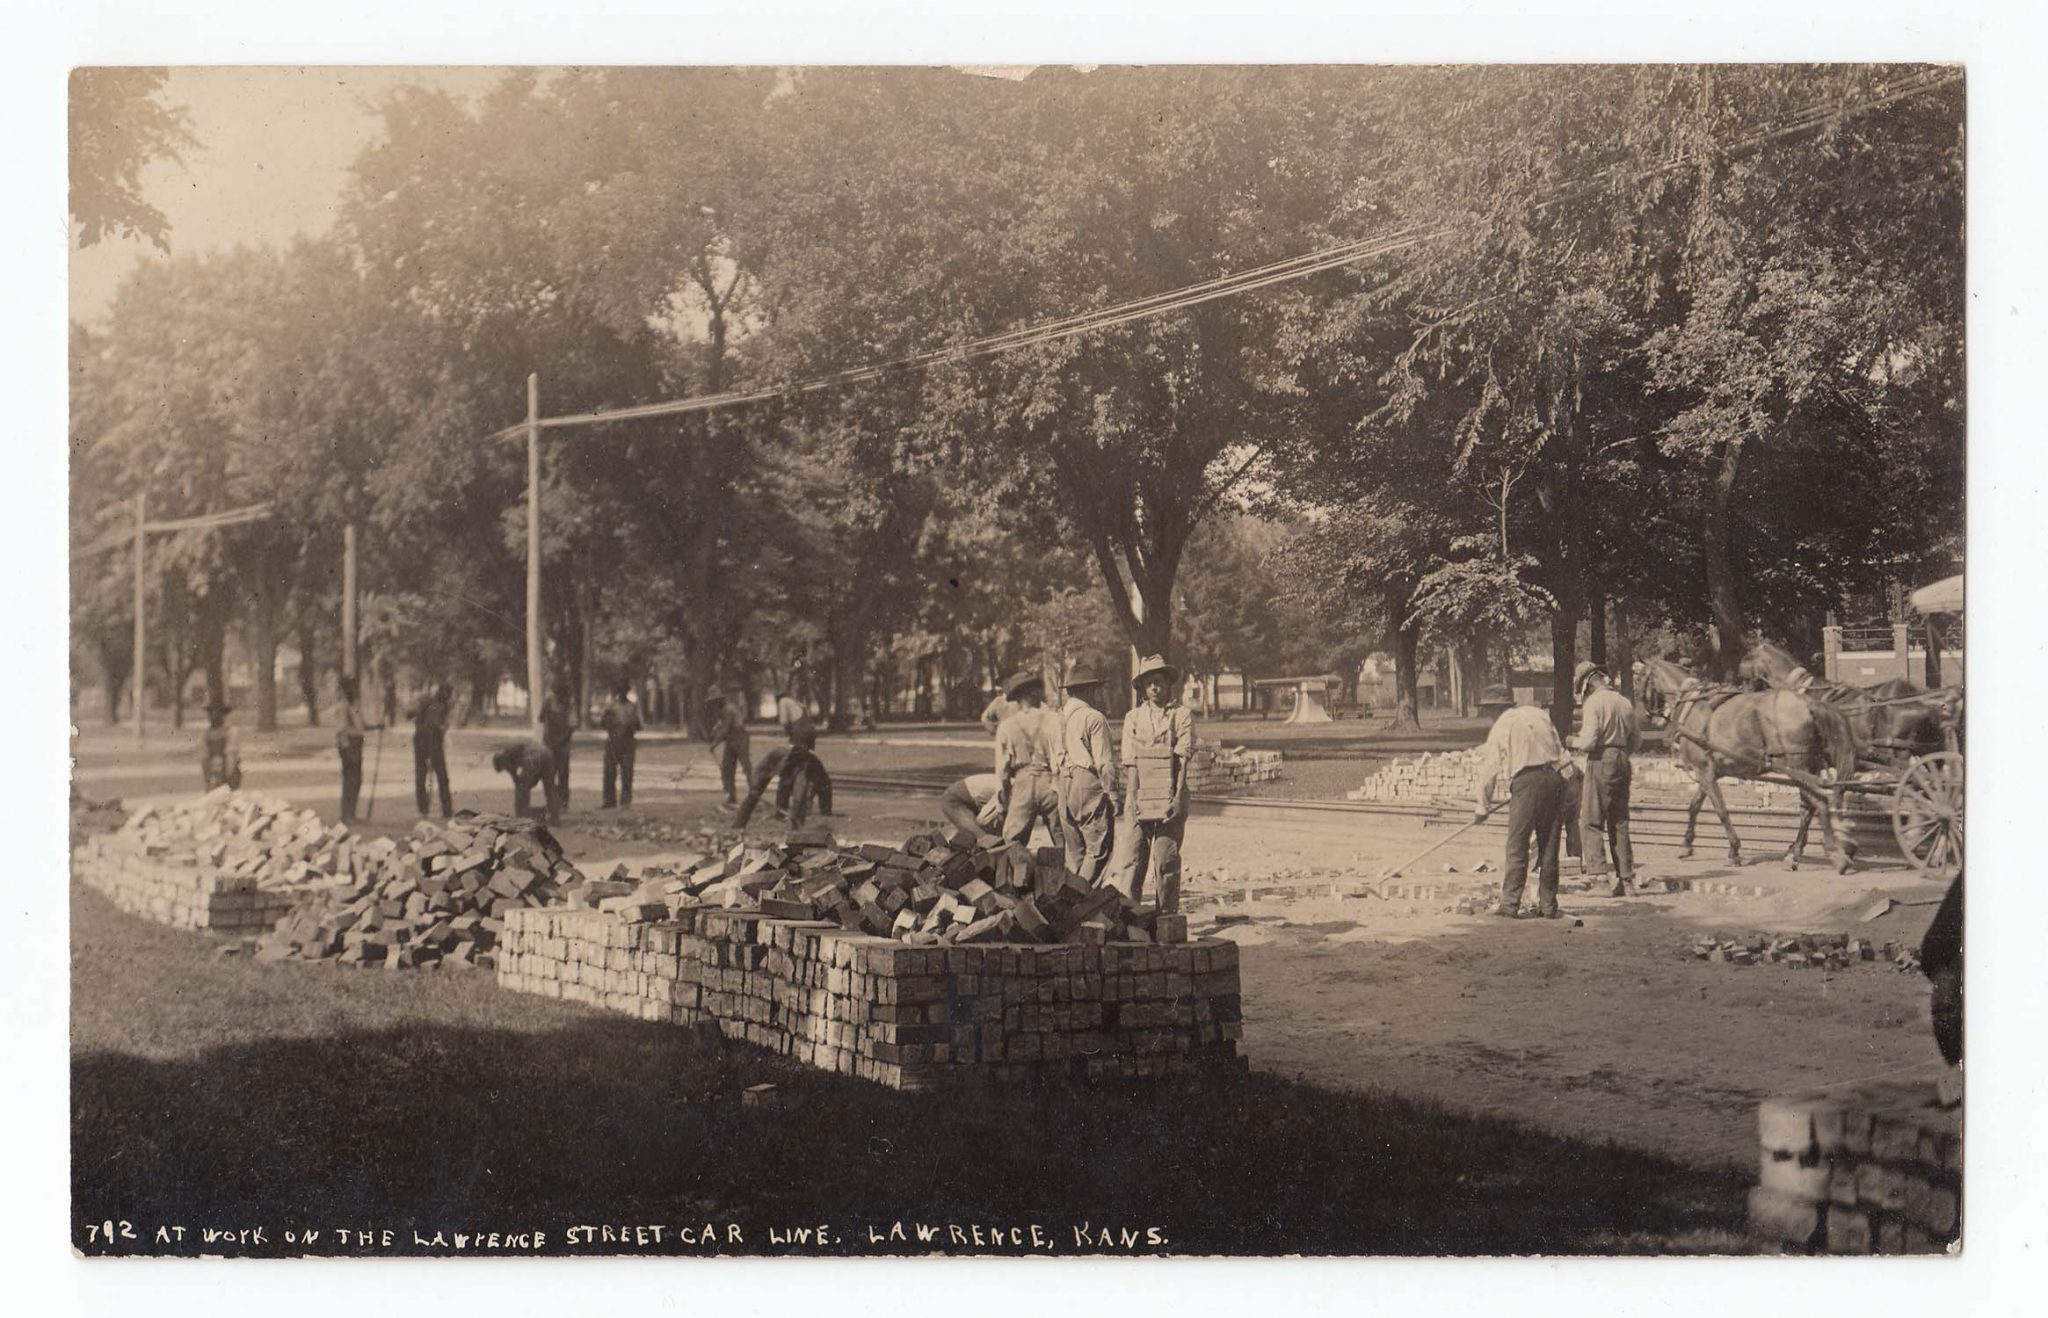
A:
[(1155, 663)]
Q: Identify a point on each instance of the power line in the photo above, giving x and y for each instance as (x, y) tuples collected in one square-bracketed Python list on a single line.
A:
[(254, 512), (1222, 286)]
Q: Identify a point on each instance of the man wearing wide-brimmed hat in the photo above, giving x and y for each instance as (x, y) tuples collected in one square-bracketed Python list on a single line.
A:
[(348, 740), (220, 749), (731, 746), (1087, 815), (1609, 734), (1027, 748), (1159, 744)]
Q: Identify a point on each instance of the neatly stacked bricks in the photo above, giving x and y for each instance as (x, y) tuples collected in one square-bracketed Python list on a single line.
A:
[(178, 891), (1221, 769), (1872, 1170), (904, 1016)]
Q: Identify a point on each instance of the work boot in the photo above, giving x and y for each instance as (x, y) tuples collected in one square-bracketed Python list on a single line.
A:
[(1623, 888), (1550, 913), (1507, 912)]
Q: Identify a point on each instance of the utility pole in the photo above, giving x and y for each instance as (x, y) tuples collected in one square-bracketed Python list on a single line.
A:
[(533, 673), (135, 678), (348, 598)]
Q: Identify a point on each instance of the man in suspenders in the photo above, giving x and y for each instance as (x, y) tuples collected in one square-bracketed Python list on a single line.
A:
[(1159, 743), (1027, 747), (1087, 814)]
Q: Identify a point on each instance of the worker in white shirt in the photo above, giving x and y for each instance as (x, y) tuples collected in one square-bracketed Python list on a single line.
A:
[(1523, 747), (1159, 744), (1087, 814), (972, 804), (1027, 746)]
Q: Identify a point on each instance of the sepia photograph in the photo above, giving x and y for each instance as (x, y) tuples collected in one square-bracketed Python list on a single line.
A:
[(1114, 660)]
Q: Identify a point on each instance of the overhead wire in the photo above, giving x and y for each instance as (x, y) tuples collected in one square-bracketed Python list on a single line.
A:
[(1221, 286)]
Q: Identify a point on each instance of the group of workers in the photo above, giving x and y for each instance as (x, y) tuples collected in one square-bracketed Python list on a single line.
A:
[(1119, 816), (1553, 801), (1054, 766)]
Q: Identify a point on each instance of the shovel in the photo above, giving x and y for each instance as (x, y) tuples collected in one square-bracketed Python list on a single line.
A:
[(1449, 837)]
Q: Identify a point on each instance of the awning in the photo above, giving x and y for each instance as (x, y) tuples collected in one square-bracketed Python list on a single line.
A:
[(1941, 597)]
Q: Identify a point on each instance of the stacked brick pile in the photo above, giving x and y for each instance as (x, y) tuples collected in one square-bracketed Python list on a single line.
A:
[(1223, 768), (939, 888), (1874, 1170), (1819, 951), (439, 898), (905, 1016), (228, 861)]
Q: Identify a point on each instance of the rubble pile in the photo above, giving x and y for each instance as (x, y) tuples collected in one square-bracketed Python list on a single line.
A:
[(1820, 951), (436, 899), (1875, 1169), (227, 860), (939, 888)]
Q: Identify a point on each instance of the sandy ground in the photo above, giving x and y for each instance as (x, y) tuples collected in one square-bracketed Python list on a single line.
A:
[(1601, 1024)]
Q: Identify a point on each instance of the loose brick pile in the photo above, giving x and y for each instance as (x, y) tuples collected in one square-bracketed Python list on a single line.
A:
[(228, 861), (437, 899), (938, 888), (1223, 768), (1654, 779), (1873, 1170), (1819, 951), (909, 1017)]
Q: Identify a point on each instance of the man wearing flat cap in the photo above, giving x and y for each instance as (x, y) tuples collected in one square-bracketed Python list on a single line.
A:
[(1159, 744), (1027, 747), (1087, 815), (1608, 735)]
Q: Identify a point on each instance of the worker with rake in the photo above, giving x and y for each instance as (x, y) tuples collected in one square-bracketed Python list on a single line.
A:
[(1523, 747)]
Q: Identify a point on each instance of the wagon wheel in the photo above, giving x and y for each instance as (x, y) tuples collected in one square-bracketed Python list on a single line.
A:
[(1927, 813)]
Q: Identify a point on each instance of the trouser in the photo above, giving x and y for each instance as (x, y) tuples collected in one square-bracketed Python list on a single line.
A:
[(732, 767), (1088, 821), (803, 762), (1535, 810), (618, 771), (1578, 845), (522, 797), (430, 757), (351, 781), (560, 781), (1604, 814), (1152, 849), (1032, 798), (802, 776)]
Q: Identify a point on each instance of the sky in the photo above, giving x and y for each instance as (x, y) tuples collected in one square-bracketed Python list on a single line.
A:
[(274, 149)]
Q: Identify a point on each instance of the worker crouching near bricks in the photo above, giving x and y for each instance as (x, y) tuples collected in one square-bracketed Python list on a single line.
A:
[(1159, 744), (530, 764), (1524, 748)]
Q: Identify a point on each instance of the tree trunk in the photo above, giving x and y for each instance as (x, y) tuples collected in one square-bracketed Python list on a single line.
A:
[(1564, 656), (263, 656), (1727, 637), (309, 673), (1624, 651), (1406, 638), (116, 658), (1596, 628)]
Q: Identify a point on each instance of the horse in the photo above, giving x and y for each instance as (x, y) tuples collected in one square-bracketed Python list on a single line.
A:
[(1892, 717), (1723, 732)]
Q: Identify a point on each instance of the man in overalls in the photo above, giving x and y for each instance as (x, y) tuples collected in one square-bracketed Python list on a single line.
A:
[(1159, 744), (731, 746), (1087, 815), (1027, 745), (220, 750), (970, 804), (557, 729)]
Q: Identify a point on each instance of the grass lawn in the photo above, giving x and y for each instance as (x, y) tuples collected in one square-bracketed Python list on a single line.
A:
[(211, 1091)]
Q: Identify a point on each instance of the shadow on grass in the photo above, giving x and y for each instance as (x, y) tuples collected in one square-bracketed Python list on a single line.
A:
[(616, 1121)]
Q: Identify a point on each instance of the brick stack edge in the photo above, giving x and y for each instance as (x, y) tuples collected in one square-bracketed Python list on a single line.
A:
[(178, 893), (1873, 1170), (1221, 769), (908, 1017)]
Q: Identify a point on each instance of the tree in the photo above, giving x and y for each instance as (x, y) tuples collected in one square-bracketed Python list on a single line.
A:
[(119, 124)]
